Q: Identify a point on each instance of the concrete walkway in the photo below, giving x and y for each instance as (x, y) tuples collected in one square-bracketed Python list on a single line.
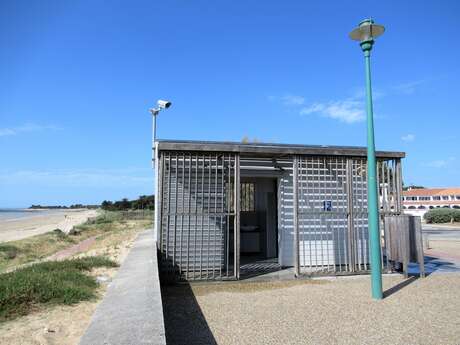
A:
[(131, 312)]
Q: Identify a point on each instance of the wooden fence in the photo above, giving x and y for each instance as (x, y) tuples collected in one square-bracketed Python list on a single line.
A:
[(403, 241)]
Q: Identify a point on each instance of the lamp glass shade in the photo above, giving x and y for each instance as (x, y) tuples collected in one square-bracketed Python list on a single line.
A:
[(366, 31)]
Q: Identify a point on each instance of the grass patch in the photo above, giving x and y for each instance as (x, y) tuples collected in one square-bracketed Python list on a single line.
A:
[(19, 252), (8, 251), (48, 283), (31, 249)]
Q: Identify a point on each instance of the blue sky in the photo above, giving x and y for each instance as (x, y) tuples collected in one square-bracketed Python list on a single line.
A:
[(77, 78)]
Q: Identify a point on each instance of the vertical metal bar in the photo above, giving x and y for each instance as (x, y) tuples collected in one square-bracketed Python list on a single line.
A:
[(350, 232), (384, 187), (215, 248), (379, 202), (344, 227), (188, 213), (168, 216), (318, 215), (227, 217), (329, 218), (159, 218), (237, 216), (303, 216), (394, 185), (309, 166), (301, 212), (364, 246), (334, 189), (295, 196), (195, 233), (323, 217), (388, 176), (359, 200), (202, 217), (382, 213), (182, 210), (362, 235), (222, 202), (208, 214), (175, 210), (157, 212), (399, 184)]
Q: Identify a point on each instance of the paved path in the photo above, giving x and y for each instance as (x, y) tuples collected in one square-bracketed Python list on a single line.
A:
[(437, 261), (131, 312), (441, 232), (77, 248)]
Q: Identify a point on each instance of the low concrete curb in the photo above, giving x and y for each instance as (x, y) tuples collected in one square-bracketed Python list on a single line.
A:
[(132, 311)]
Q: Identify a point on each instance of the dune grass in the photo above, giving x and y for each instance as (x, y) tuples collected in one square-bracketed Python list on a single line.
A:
[(48, 283), (35, 248)]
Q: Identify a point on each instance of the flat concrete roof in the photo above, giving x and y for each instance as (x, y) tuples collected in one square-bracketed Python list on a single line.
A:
[(267, 149)]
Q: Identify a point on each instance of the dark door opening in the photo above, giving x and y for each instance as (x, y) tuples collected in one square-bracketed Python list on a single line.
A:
[(258, 226)]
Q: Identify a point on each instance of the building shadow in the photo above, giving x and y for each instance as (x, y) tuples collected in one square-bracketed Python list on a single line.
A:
[(184, 320), (433, 264)]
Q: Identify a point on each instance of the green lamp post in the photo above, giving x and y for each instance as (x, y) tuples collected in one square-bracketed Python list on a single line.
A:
[(365, 34)]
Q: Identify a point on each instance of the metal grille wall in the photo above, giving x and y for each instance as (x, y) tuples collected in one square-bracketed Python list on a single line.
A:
[(330, 212), (389, 175), (320, 200), (198, 215)]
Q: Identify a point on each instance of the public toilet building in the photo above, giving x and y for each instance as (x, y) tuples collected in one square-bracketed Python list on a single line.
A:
[(230, 210)]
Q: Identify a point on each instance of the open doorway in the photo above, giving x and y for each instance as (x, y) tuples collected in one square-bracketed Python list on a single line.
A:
[(258, 226)]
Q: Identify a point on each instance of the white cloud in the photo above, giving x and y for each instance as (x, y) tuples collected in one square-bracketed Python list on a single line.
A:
[(349, 110), (408, 138), (439, 163), (408, 88), (292, 100), (28, 127), (361, 94), (7, 131)]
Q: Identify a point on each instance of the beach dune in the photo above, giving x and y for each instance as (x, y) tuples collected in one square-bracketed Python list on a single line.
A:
[(65, 220)]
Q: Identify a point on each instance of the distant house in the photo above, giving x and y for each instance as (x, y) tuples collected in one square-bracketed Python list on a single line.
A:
[(227, 210), (417, 201)]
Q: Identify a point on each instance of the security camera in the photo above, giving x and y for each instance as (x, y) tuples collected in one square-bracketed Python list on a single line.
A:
[(163, 104), (154, 111)]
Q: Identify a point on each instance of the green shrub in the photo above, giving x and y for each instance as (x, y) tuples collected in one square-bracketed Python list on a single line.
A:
[(48, 283), (8, 251), (442, 215)]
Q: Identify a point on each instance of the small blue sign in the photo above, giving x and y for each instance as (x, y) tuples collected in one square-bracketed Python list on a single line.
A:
[(327, 205)]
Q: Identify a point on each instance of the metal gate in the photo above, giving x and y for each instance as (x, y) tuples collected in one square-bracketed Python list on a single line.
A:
[(330, 212), (198, 215)]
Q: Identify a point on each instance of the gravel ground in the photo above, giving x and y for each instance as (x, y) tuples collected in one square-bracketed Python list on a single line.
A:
[(337, 311)]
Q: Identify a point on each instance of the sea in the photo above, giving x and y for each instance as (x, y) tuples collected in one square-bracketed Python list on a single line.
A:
[(9, 214)]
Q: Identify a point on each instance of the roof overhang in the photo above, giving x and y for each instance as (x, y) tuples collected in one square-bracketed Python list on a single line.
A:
[(266, 149)]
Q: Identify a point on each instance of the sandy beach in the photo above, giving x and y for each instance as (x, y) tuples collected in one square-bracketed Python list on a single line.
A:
[(37, 223), (65, 324)]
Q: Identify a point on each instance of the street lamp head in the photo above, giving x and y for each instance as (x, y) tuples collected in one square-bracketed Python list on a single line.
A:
[(163, 104), (366, 31)]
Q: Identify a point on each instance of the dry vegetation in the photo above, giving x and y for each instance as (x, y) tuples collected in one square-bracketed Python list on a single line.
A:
[(60, 313), (106, 229)]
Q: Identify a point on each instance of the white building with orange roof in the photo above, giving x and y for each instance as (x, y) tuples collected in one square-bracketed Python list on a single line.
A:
[(417, 201)]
